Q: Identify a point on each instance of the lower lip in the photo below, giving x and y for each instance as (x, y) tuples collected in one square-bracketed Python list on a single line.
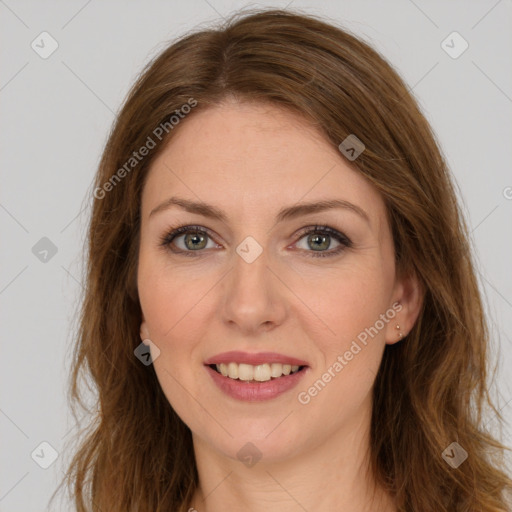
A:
[(255, 391)]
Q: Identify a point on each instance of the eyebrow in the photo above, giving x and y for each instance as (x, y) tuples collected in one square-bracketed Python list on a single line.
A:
[(288, 213)]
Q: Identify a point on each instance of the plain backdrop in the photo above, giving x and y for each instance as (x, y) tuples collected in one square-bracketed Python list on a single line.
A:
[(56, 113)]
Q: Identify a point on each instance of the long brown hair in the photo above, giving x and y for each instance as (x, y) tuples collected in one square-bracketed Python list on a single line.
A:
[(431, 389)]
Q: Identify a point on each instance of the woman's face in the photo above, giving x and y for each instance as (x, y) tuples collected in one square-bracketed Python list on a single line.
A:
[(256, 281)]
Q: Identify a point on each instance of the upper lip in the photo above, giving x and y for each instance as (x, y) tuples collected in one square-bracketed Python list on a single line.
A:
[(237, 356)]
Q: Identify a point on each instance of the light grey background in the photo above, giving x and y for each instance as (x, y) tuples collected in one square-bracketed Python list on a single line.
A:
[(56, 114)]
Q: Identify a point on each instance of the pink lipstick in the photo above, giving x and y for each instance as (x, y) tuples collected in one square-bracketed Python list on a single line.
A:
[(263, 375)]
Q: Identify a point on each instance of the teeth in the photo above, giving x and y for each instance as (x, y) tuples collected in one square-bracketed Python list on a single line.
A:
[(276, 369), (259, 373), (245, 372), (233, 371)]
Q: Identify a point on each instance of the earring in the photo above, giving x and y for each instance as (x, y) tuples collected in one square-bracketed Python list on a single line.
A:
[(399, 334)]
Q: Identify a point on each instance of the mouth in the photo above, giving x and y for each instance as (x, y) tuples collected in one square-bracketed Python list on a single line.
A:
[(256, 373), (255, 377)]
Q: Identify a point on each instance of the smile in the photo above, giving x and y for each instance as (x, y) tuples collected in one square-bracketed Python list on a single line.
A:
[(255, 376), (258, 373)]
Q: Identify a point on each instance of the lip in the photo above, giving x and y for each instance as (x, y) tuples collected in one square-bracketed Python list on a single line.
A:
[(236, 356), (256, 391)]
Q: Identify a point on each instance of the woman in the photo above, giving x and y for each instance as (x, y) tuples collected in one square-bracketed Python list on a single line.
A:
[(275, 221)]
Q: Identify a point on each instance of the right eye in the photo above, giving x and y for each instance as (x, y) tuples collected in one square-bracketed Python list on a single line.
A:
[(192, 238)]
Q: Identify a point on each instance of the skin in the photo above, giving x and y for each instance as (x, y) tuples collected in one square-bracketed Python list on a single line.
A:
[(251, 160)]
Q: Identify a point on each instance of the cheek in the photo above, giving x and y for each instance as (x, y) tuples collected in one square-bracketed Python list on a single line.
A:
[(174, 307), (350, 346), (170, 298), (346, 301)]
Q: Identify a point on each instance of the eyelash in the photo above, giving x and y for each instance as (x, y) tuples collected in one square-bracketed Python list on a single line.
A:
[(167, 239)]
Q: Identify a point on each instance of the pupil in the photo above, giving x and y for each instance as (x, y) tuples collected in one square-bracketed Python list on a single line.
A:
[(316, 237), (194, 238), (320, 241)]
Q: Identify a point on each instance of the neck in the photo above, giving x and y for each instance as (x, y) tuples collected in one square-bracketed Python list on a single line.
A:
[(321, 478)]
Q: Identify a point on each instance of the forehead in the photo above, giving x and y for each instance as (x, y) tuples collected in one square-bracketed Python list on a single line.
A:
[(244, 155), (248, 132)]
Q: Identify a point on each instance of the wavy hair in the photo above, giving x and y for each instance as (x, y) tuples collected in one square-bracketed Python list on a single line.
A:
[(431, 389)]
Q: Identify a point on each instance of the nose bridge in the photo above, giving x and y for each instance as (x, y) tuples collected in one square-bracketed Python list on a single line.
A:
[(252, 296), (250, 272)]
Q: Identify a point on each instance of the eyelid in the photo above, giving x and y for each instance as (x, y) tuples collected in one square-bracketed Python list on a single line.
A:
[(344, 241), (174, 232), (317, 228)]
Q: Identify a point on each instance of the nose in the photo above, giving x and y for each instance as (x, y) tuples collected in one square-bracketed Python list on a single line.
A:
[(254, 298)]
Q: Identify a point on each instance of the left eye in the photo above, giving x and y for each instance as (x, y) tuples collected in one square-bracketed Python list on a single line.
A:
[(195, 238), (319, 237)]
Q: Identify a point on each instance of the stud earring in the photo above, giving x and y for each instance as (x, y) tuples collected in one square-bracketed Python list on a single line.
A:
[(399, 334)]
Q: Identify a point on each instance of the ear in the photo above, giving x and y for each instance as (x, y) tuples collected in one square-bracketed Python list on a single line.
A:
[(144, 331), (407, 301)]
